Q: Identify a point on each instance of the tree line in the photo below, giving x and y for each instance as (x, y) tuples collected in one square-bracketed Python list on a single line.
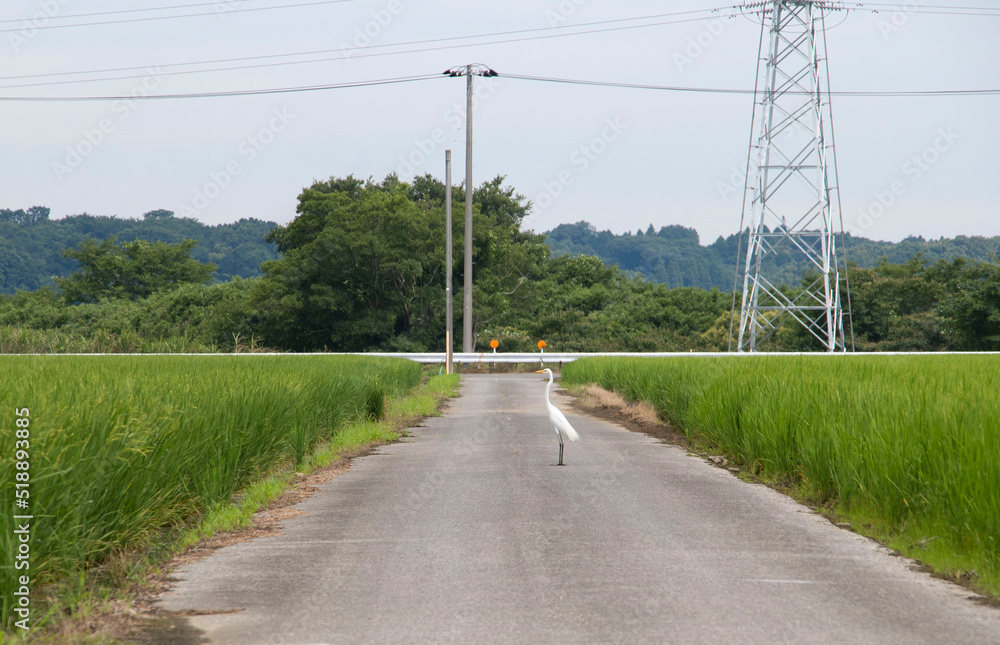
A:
[(361, 268), (674, 255), (31, 243)]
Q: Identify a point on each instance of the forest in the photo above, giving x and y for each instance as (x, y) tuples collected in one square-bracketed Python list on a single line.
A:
[(361, 268), (674, 255), (31, 243)]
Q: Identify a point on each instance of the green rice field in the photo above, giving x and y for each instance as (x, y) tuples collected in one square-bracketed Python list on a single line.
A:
[(906, 447), (116, 448)]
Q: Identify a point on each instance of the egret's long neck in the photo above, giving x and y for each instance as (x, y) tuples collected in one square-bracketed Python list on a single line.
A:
[(549, 386)]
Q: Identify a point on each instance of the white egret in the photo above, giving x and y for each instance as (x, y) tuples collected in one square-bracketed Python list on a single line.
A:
[(558, 419)]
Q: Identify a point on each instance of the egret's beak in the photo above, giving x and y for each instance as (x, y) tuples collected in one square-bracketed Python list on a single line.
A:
[(539, 371)]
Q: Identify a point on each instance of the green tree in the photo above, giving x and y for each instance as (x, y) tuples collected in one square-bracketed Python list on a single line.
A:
[(130, 270), (578, 303), (362, 264), (972, 307), (507, 261), (894, 307), (34, 215)]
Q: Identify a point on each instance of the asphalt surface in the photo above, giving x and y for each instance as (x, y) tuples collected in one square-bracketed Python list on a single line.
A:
[(468, 533)]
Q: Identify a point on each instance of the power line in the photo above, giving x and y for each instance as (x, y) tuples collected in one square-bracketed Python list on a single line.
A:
[(121, 11), (988, 11), (948, 13), (359, 52), (935, 9), (345, 56), (716, 90), (758, 7), (206, 95), (521, 77), (927, 9), (184, 15), (399, 44), (926, 6)]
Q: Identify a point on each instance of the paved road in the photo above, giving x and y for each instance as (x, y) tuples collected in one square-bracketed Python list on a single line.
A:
[(467, 533)]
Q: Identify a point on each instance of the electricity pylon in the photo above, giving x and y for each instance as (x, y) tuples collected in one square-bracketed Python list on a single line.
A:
[(792, 204)]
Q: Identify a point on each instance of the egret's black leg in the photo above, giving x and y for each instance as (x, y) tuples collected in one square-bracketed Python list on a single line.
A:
[(560, 450)]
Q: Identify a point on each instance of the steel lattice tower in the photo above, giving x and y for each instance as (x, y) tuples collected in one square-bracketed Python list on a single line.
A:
[(790, 202)]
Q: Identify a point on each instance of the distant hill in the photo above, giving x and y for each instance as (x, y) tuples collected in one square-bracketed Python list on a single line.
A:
[(674, 254), (30, 243)]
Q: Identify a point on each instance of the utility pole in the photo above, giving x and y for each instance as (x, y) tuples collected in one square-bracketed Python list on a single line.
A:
[(792, 204), (469, 71), (467, 302), (449, 333)]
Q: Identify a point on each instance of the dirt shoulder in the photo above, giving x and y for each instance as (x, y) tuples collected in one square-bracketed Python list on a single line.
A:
[(637, 417)]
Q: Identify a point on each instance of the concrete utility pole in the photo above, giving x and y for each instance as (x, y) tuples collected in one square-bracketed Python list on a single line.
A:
[(449, 296), (467, 303), (469, 71)]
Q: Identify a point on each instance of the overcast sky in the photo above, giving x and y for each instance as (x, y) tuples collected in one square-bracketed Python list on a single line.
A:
[(619, 158)]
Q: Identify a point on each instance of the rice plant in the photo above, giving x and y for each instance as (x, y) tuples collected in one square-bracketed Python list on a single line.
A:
[(911, 443), (120, 447)]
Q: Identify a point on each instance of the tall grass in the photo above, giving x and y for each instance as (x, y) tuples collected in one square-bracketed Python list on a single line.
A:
[(25, 340), (909, 443), (124, 446)]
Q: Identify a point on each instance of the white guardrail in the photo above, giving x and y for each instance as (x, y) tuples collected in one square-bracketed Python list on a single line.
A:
[(433, 358), (528, 357), (566, 357)]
